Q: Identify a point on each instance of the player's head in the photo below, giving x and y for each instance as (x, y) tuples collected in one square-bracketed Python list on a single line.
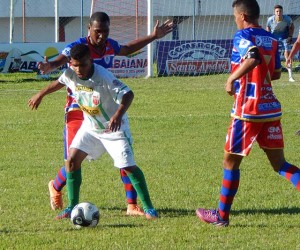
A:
[(245, 11), (278, 10), (99, 28), (81, 61)]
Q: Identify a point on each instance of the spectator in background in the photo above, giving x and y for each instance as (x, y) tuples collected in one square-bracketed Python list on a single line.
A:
[(282, 27)]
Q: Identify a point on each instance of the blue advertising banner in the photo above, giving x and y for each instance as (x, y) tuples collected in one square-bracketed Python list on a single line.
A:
[(192, 57), (198, 57)]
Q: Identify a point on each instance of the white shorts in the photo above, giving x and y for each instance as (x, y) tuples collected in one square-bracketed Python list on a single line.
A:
[(117, 144)]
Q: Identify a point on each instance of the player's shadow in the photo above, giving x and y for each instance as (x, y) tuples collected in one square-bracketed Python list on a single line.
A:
[(272, 211), (164, 212), (121, 225), (175, 212)]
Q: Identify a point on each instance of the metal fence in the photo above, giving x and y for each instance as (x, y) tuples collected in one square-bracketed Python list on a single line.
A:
[(43, 20)]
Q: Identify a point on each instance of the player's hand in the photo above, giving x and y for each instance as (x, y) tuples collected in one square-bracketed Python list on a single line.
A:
[(164, 29), (298, 133), (115, 123), (289, 40), (288, 62), (229, 87), (44, 67), (35, 101)]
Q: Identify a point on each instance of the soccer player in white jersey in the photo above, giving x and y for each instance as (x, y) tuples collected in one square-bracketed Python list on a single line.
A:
[(104, 101), (102, 49), (282, 27)]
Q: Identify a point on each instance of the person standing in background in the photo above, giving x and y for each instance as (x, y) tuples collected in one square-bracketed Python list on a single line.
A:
[(282, 27)]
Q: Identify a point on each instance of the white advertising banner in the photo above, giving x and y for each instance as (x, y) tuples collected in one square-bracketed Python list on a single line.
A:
[(23, 57)]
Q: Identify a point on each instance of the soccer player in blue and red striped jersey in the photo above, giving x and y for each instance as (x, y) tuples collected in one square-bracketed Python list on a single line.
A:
[(102, 51), (256, 112)]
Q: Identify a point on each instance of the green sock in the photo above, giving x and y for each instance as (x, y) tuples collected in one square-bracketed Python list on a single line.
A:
[(73, 185), (138, 181)]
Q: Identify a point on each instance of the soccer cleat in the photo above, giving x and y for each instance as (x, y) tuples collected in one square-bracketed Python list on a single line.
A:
[(56, 201), (211, 216), (151, 214), (134, 209), (65, 214), (291, 79)]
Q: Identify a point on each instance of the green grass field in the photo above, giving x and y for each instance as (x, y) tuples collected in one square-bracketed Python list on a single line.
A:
[(179, 126)]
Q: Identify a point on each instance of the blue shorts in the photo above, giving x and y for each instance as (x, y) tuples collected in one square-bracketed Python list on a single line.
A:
[(283, 45)]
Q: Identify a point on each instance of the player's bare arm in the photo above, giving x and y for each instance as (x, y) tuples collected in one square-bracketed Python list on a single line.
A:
[(137, 44), (36, 100), (293, 52), (291, 32), (116, 119), (246, 66), (46, 66)]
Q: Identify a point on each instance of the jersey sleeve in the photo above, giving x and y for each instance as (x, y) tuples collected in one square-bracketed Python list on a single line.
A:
[(115, 45), (289, 20), (67, 49), (63, 79), (242, 43), (115, 86), (269, 22)]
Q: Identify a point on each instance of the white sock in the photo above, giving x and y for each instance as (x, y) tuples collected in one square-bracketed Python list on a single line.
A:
[(290, 72)]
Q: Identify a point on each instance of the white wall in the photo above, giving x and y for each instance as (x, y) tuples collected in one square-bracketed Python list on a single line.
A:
[(214, 22)]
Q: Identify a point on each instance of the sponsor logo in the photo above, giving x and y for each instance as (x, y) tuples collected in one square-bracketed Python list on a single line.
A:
[(244, 43), (264, 41), (96, 99), (193, 58), (196, 67), (274, 137), (275, 133), (197, 50), (269, 106), (274, 129), (130, 63), (90, 110), (268, 97), (84, 88)]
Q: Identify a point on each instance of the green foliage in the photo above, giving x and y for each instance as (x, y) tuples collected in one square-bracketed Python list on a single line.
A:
[(179, 126)]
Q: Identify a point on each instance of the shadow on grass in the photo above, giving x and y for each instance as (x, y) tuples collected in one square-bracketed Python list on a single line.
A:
[(121, 225), (283, 210), (165, 212)]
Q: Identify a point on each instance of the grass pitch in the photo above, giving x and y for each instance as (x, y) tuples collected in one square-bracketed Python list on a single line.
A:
[(179, 126)]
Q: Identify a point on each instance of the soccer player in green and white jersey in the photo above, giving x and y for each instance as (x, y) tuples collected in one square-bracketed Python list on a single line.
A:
[(104, 100)]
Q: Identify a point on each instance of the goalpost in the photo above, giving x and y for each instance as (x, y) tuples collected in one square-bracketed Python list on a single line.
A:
[(200, 44)]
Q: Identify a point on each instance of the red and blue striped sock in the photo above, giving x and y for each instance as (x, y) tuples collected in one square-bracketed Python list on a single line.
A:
[(131, 195), (230, 185), (291, 173), (60, 179)]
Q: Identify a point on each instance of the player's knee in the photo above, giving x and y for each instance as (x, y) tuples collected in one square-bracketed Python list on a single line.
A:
[(71, 164)]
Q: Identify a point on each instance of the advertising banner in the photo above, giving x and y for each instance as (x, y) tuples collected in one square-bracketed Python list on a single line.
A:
[(192, 57), (23, 57)]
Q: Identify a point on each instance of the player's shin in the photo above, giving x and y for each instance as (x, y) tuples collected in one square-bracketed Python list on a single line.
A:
[(131, 195), (60, 179), (291, 173), (138, 181), (73, 184), (230, 183)]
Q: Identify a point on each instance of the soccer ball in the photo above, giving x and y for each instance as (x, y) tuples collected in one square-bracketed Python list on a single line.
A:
[(85, 214)]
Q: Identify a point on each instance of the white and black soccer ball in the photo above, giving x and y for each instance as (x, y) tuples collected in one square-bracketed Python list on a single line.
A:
[(85, 214)]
